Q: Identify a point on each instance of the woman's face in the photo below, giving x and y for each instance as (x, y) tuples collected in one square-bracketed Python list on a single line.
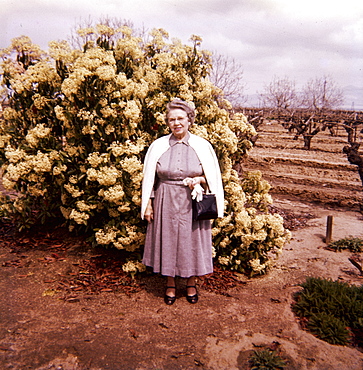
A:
[(178, 122)]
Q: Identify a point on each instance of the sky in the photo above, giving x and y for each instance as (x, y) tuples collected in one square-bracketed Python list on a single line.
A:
[(301, 40)]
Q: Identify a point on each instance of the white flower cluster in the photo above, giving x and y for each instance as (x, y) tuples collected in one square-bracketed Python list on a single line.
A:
[(132, 112), (79, 217), (224, 260), (74, 191), (84, 207), (42, 72), (106, 176), (106, 73), (133, 267), (36, 133), (95, 159), (4, 141), (61, 51), (40, 101), (57, 170), (59, 112), (21, 165), (257, 267), (103, 29), (113, 194), (132, 165), (106, 236), (129, 46), (83, 32), (128, 147), (71, 85), (14, 155)]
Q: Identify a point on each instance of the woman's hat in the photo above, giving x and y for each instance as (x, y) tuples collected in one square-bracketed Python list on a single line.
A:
[(185, 106)]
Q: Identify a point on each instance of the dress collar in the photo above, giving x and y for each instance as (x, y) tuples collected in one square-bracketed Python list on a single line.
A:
[(173, 140)]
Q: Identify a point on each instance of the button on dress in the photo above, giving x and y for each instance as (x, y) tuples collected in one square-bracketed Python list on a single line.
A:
[(176, 245)]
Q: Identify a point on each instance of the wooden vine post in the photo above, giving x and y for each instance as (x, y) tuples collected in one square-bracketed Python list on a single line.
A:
[(329, 229)]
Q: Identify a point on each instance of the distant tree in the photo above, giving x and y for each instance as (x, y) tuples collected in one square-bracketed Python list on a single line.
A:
[(321, 94), (227, 75), (303, 124), (279, 94), (354, 157), (353, 125)]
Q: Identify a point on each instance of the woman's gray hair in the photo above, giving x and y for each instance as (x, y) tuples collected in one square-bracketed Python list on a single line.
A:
[(181, 104)]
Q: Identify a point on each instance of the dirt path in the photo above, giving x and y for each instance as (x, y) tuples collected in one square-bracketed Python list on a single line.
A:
[(114, 330)]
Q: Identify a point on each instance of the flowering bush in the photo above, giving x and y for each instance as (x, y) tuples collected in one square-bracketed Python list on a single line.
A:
[(78, 124)]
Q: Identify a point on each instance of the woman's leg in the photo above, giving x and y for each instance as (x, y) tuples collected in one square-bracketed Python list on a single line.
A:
[(191, 289), (170, 283), (170, 297)]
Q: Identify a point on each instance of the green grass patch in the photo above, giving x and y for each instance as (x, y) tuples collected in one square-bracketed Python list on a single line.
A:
[(332, 310), (266, 359), (352, 244)]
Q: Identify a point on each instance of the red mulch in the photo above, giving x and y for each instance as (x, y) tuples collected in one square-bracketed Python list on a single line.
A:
[(101, 272)]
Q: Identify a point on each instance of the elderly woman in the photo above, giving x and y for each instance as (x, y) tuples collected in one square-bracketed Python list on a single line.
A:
[(174, 164)]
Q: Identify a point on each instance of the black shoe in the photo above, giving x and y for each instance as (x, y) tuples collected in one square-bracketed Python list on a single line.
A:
[(192, 298), (169, 300)]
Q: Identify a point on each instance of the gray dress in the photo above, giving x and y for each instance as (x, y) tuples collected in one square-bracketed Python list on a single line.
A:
[(175, 244)]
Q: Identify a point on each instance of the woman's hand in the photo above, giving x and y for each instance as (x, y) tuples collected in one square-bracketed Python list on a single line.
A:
[(149, 212), (197, 180)]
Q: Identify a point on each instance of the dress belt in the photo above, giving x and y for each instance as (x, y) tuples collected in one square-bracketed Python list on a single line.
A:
[(172, 182)]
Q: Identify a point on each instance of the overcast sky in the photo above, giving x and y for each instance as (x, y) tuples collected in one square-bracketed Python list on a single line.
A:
[(293, 38)]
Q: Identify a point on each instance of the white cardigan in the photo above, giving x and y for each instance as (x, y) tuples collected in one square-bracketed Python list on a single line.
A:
[(206, 156)]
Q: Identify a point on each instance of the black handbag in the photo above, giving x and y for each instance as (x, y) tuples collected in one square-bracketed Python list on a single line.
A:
[(206, 209)]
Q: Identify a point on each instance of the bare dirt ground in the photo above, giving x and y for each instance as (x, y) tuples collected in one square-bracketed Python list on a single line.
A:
[(50, 321), (66, 306)]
